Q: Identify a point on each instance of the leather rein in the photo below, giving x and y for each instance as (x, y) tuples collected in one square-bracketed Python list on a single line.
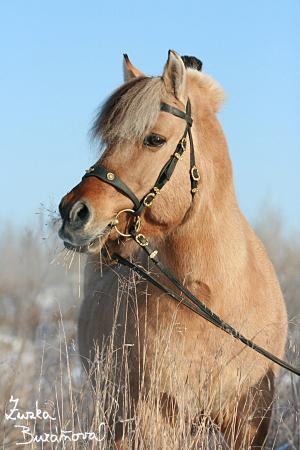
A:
[(193, 303)]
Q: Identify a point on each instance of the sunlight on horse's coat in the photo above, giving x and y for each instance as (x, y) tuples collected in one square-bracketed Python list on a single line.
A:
[(207, 243)]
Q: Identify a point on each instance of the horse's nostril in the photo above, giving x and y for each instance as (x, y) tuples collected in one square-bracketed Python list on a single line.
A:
[(79, 214)]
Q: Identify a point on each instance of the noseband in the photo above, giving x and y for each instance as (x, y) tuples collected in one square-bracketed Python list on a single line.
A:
[(194, 304)]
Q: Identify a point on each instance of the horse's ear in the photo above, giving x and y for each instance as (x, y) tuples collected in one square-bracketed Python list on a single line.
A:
[(174, 75), (130, 71)]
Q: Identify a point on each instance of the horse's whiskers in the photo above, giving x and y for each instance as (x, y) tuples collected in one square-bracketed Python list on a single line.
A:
[(72, 258), (57, 256)]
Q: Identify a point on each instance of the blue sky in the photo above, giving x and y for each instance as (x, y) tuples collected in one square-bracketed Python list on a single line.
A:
[(59, 60)]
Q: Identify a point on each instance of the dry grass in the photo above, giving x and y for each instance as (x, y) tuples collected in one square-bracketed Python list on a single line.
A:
[(40, 294)]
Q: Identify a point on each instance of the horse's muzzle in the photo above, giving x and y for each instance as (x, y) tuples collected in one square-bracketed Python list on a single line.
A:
[(75, 218)]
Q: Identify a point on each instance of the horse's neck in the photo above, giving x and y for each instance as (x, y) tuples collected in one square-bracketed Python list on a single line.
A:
[(211, 245), (211, 248)]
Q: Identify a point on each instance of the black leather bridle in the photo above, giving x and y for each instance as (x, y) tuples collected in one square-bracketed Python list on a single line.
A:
[(194, 303), (166, 172)]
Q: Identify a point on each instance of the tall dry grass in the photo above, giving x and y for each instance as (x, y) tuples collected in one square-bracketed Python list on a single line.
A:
[(40, 295)]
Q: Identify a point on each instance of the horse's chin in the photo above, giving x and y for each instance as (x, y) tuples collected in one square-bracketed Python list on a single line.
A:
[(107, 243), (90, 246)]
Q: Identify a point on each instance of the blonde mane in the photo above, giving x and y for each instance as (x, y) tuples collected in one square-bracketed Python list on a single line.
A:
[(210, 88), (132, 110)]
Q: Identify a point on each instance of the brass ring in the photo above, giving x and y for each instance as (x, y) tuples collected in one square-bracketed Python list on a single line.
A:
[(115, 221)]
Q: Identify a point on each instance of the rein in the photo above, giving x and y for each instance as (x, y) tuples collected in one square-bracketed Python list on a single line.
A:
[(194, 304)]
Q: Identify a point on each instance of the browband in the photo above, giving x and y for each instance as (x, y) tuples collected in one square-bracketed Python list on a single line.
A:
[(178, 113)]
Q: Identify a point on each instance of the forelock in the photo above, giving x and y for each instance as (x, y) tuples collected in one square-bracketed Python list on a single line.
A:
[(130, 112)]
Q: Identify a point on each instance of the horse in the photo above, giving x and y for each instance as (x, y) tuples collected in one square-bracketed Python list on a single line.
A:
[(201, 236)]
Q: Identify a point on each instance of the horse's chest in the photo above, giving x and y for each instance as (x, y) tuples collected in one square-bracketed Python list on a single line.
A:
[(179, 353)]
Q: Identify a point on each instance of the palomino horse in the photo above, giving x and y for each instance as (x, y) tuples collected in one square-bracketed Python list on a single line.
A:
[(203, 239)]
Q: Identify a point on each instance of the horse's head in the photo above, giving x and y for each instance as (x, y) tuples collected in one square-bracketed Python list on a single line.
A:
[(138, 138)]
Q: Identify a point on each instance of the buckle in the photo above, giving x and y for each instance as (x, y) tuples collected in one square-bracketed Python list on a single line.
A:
[(148, 200), (178, 156), (141, 240), (195, 173), (183, 143)]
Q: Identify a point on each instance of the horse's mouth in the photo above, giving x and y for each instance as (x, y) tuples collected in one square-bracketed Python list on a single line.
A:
[(90, 245)]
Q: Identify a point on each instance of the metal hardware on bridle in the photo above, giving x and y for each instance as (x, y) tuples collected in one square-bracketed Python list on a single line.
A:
[(194, 304), (136, 225)]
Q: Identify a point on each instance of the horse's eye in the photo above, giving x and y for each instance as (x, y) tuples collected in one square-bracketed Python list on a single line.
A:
[(154, 140)]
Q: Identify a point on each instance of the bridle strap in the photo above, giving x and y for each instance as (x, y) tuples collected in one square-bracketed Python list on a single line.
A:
[(164, 175), (168, 169), (178, 113), (197, 305), (166, 172), (111, 178)]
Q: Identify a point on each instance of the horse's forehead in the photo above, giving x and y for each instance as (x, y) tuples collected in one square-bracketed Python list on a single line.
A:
[(130, 111)]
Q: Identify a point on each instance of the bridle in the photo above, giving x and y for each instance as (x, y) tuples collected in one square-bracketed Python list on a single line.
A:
[(166, 172), (164, 176)]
